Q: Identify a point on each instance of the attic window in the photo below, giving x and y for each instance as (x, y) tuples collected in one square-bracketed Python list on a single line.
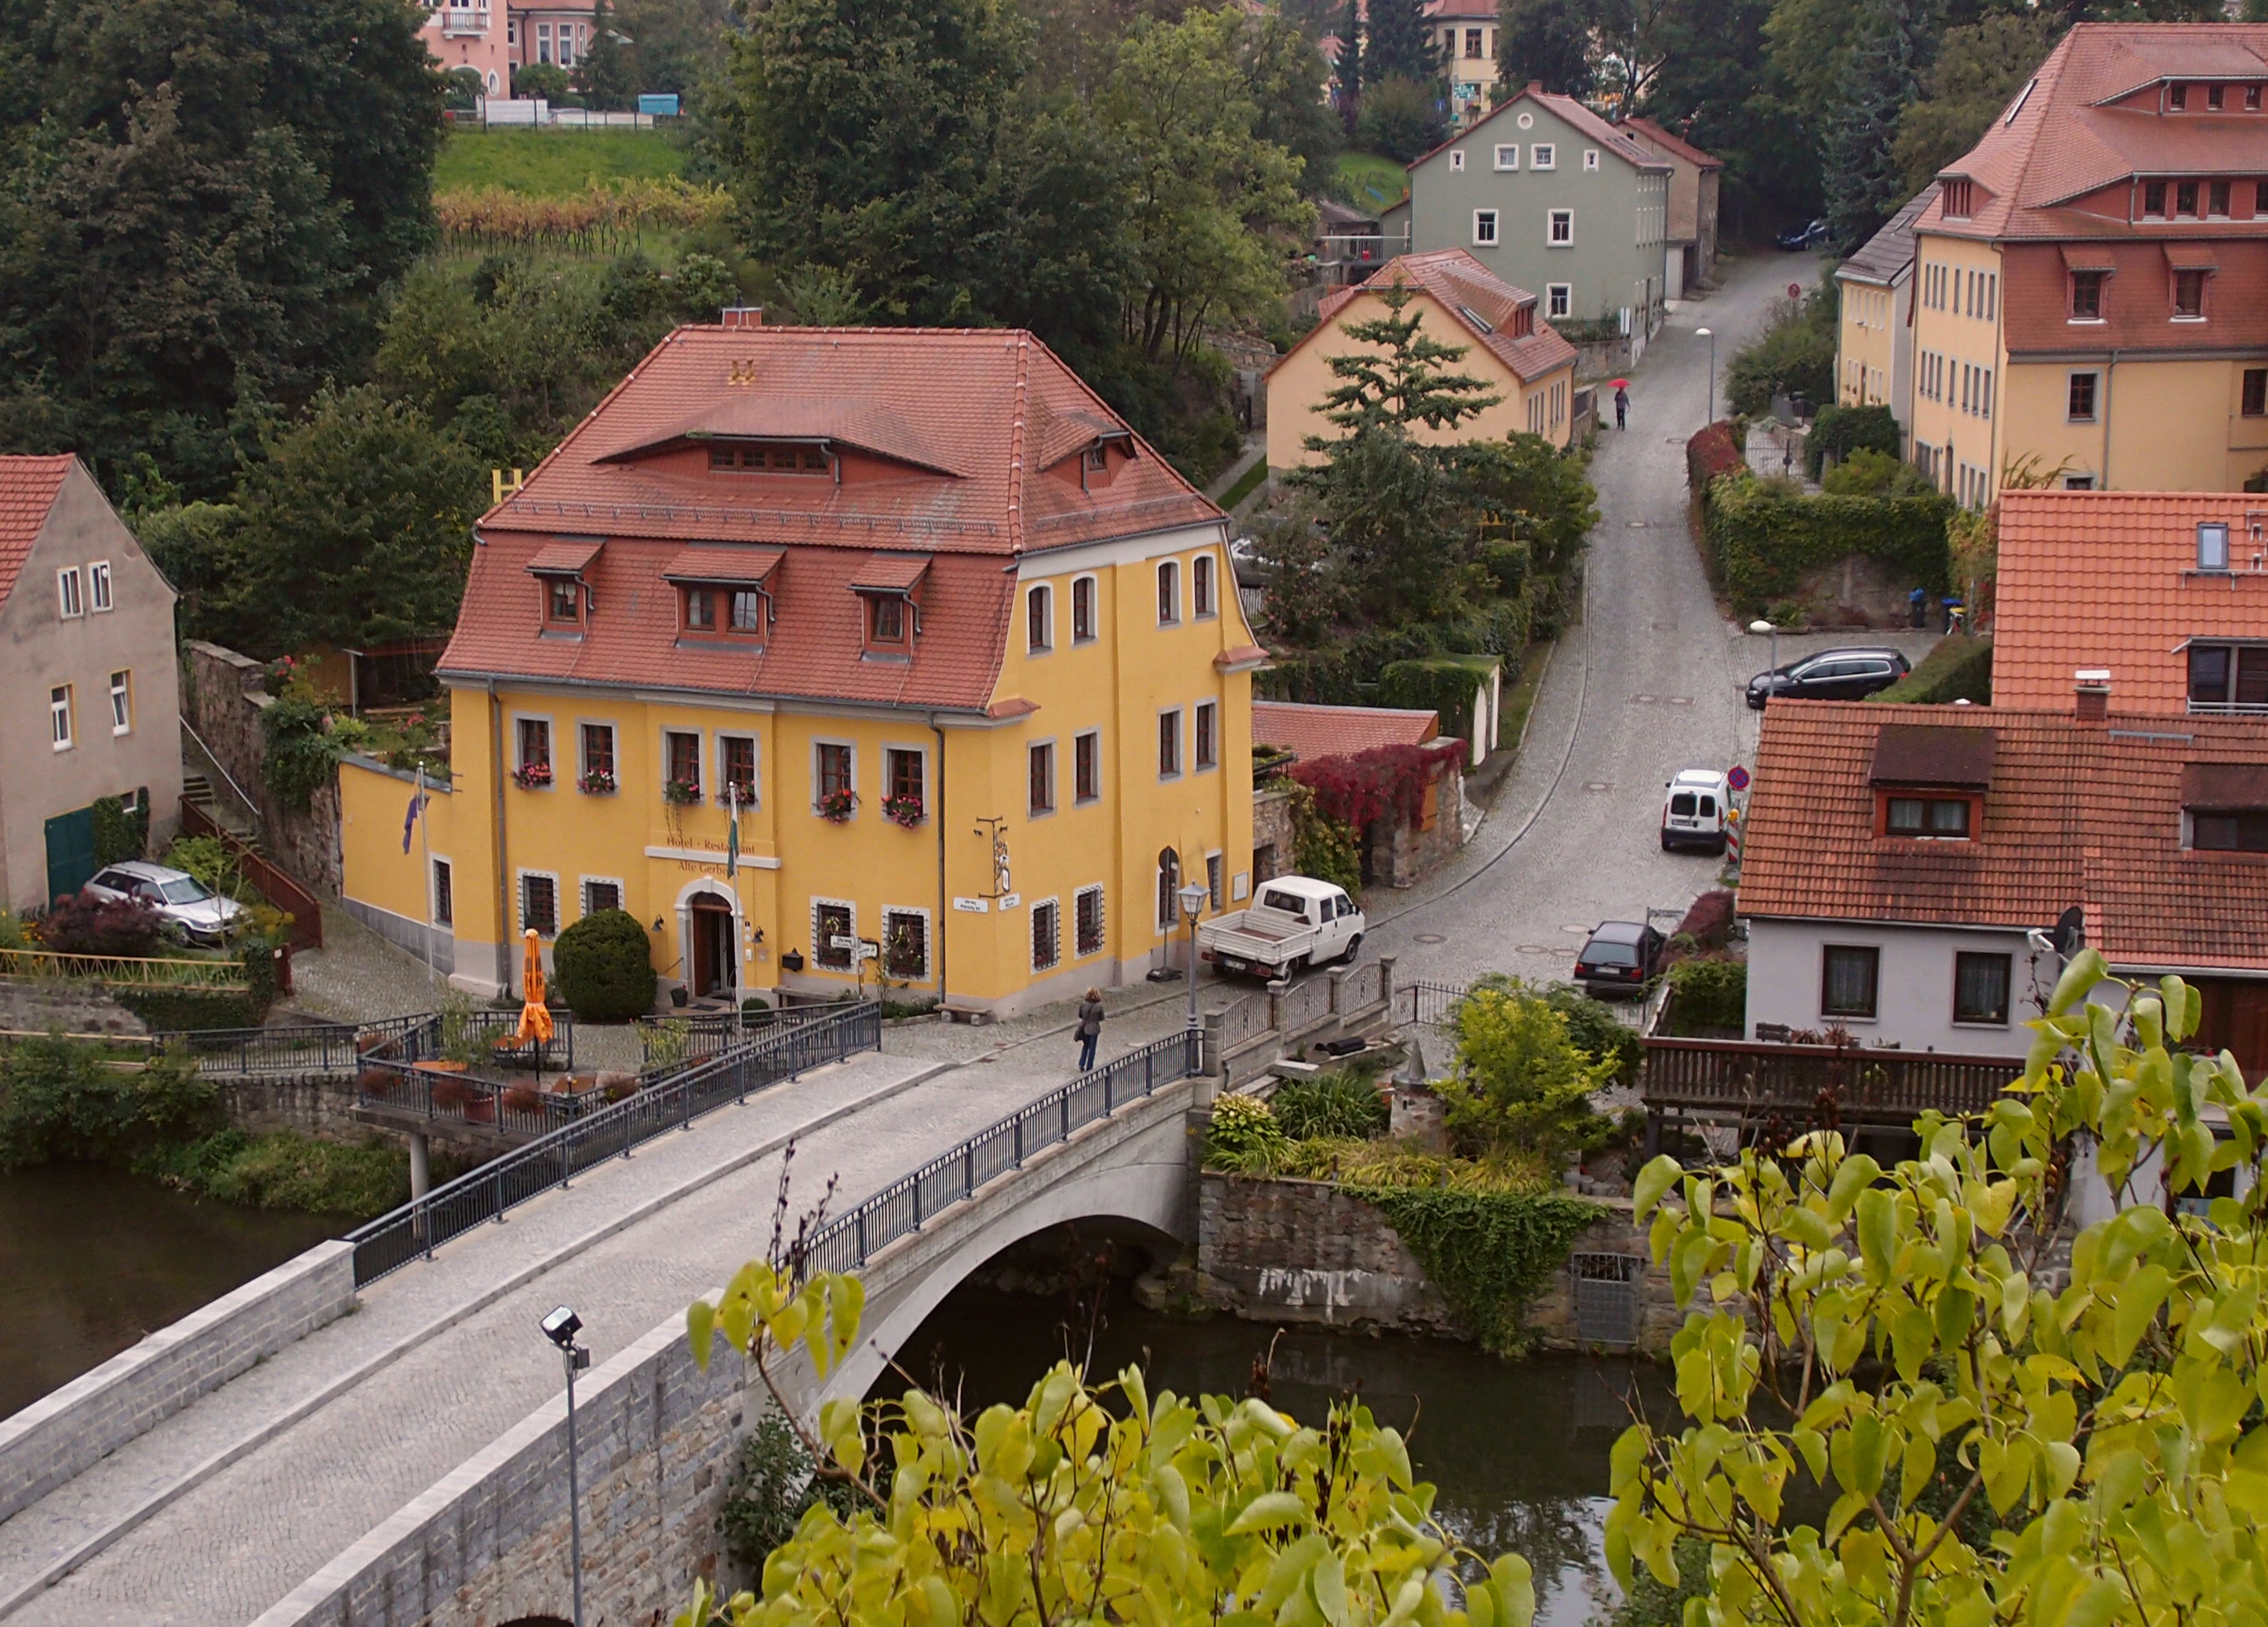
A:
[(2017, 105), (2213, 545), (2225, 806), (1477, 319), (1960, 200), (2177, 97), (774, 457), (1523, 321)]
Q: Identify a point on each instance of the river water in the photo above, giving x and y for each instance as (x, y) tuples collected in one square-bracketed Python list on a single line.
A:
[(91, 1258), (1518, 1450)]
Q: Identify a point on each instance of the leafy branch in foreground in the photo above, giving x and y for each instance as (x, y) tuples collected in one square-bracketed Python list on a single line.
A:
[(1892, 1326), (1088, 1502)]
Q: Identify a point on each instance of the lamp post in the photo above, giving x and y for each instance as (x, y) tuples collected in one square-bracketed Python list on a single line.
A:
[(1709, 334), (1772, 661), (1193, 898), (560, 1328)]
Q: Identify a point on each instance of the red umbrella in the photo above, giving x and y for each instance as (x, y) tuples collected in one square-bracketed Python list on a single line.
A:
[(1618, 384)]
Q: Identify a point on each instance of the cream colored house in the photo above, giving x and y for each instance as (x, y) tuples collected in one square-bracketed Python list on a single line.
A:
[(1873, 351), (1524, 361)]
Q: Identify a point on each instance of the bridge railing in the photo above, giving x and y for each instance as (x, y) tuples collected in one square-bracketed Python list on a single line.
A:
[(413, 1231), (332, 1048), (901, 1209)]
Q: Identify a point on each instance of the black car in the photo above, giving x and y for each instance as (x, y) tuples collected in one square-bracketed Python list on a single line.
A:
[(1812, 234), (1830, 675), (1619, 957)]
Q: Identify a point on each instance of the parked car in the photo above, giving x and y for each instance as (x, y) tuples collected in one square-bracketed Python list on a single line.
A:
[(1296, 922), (1244, 559), (1693, 807), (1830, 675), (183, 902), (1619, 957), (1811, 235)]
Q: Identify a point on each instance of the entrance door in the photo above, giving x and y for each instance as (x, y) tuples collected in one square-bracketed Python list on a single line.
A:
[(716, 969), (70, 852)]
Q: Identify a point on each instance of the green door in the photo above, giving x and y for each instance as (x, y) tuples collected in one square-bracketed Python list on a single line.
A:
[(70, 851)]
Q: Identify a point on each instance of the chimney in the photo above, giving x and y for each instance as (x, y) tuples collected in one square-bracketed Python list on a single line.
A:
[(1535, 87), (2092, 694)]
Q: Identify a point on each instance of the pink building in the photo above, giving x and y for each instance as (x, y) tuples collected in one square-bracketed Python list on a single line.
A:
[(492, 38)]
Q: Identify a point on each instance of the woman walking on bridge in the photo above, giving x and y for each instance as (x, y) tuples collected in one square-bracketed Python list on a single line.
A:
[(1090, 1029)]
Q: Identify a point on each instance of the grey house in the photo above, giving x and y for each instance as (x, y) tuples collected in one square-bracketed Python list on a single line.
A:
[(1549, 197), (90, 692)]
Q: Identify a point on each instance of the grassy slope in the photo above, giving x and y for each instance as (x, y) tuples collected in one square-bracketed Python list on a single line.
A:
[(553, 163), (1375, 182)]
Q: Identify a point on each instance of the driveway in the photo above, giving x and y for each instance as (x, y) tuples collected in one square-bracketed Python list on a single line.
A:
[(1650, 683)]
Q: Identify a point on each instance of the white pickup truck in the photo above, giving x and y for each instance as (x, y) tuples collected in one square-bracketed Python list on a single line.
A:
[(1296, 922)]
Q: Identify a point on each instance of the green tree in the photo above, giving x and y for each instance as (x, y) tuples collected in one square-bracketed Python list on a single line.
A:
[(1282, 69), (1991, 1449), (1720, 86), (357, 525), (1520, 1080), (1399, 40), (678, 45), (607, 75), (1795, 353), (1402, 380), (1882, 79), (540, 82), (1347, 70), (1402, 118), (1087, 1502), (1809, 44), (1980, 67), (1546, 42)]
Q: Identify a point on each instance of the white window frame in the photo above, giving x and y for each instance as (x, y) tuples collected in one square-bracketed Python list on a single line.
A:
[(1558, 300), (757, 785), (815, 964), (1055, 778), (1544, 155), (1103, 947), (1456, 160), (60, 731), (1551, 219), (1094, 609), (1169, 575), (700, 761), (519, 902), (910, 749), (1055, 956), (70, 597), (583, 886), (817, 786), (1042, 596), (1507, 150), (929, 939), (1180, 745), (1213, 707), (1204, 586), (121, 701), (98, 586), (1590, 159), (1486, 229)]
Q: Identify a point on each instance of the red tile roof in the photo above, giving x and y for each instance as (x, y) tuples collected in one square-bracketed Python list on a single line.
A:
[(2035, 301), (1481, 302), (947, 446), (2074, 131), (1651, 135), (1312, 731), (27, 492), (1619, 143), (2108, 579), (2086, 813)]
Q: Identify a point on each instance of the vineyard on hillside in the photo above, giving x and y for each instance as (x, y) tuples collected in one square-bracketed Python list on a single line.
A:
[(604, 217)]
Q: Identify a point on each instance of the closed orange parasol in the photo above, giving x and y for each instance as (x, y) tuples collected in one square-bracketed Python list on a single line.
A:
[(534, 1018)]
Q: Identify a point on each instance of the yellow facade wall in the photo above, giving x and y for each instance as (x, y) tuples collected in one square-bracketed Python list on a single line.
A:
[(1300, 380), (661, 856), (1864, 352), (1960, 436)]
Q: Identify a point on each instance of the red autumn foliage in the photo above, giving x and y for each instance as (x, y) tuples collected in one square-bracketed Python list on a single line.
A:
[(1712, 452), (89, 924), (1709, 922), (1365, 786)]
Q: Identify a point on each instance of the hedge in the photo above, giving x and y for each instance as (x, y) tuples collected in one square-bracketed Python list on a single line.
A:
[(1708, 994), (1765, 535), (1352, 672), (1446, 684), (1838, 432), (1712, 453), (1959, 669)]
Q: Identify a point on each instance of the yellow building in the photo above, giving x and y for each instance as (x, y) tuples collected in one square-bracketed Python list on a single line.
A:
[(1874, 351), (2091, 280), (1524, 361), (909, 619)]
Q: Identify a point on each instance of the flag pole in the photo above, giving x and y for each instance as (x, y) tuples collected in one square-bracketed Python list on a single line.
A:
[(425, 853)]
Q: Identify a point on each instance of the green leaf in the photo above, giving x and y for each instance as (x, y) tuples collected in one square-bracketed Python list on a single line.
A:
[(2087, 970), (2139, 1300), (701, 1330), (1660, 1174), (1267, 1511)]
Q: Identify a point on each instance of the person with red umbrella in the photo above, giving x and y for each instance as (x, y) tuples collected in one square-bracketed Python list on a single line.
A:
[(1621, 403)]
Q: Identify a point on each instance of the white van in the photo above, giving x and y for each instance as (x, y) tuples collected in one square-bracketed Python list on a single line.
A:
[(1693, 808)]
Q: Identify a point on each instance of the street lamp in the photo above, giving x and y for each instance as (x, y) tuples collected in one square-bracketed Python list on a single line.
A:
[(1709, 334), (1193, 898), (1772, 661), (560, 1328)]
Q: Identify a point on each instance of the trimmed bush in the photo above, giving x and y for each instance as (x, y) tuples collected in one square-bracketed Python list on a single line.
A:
[(89, 924), (1447, 684), (1838, 432), (1712, 453), (1709, 994), (603, 967), (1765, 535), (1959, 669), (1709, 921)]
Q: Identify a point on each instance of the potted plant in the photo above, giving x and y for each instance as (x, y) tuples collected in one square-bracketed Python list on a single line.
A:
[(902, 810), (681, 792), (524, 1098), (837, 805), (377, 1081), (597, 783), (532, 776), (453, 1094), (738, 795)]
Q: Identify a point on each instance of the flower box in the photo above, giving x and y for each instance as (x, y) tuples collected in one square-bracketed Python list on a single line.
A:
[(597, 783), (532, 776), (837, 806), (680, 793), (906, 811), (523, 1098), (737, 796)]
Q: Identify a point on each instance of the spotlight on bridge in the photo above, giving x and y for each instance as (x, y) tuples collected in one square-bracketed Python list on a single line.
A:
[(562, 1326)]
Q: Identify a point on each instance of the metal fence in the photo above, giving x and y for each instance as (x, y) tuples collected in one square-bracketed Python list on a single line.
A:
[(124, 971), (412, 1231), (331, 1048), (1429, 1003), (1245, 1018), (668, 1042), (900, 1210), (1607, 1303), (1364, 985), (1303, 1006)]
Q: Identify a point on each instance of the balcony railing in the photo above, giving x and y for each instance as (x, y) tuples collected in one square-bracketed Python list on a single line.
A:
[(1862, 1085), (456, 20)]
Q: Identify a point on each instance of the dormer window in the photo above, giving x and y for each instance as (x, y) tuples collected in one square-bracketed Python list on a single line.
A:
[(1942, 818), (2177, 97), (562, 602), (2154, 200), (2225, 807), (725, 593), (890, 588), (1929, 781), (769, 457), (1523, 322), (1960, 200), (885, 619)]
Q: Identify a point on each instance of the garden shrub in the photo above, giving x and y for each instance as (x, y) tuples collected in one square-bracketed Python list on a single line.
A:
[(772, 1485), (1596, 1031), (1321, 847), (1838, 432), (1795, 354), (301, 755), (1866, 473), (1520, 1080), (1244, 1138), (1489, 1253), (178, 1010), (1708, 920), (1959, 669), (284, 1169), (119, 835), (60, 1100), (1712, 452), (1764, 536), (1709, 994), (603, 967), (1340, 1104), (213, 861), (1446, 684), (86, 923)]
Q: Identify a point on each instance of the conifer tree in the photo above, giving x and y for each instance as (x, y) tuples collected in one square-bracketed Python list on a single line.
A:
[(1864, 187), (1400, 42)]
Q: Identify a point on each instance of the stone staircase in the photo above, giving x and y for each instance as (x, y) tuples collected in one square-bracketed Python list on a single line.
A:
[(198, 793)]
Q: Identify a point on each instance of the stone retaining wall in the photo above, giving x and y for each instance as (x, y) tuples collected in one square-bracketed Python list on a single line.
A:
[(1303, 1251), (74, 1007), (222, 696), (63, 1433)]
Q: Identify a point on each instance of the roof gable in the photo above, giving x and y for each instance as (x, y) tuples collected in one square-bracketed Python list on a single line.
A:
[(29, 487), (1578, 120), (1468, 294)]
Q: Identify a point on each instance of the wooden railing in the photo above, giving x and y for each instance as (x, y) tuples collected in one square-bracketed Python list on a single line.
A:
[(125, 971), (305, 909), (1868, 1085)]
